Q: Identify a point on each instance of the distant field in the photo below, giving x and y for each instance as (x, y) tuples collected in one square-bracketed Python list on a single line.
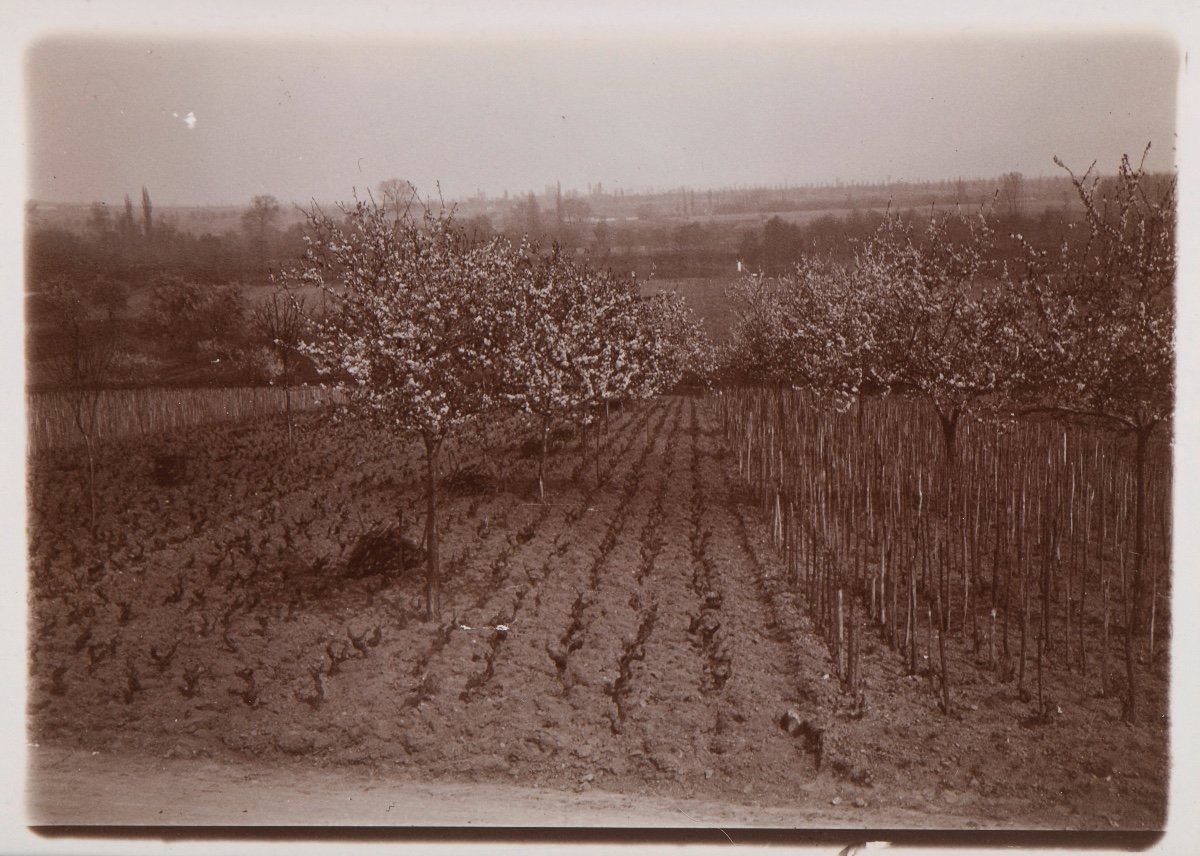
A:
[(706, 296), (808, 215)]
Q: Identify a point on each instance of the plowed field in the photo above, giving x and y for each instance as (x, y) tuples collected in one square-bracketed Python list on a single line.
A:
[(635, 635)]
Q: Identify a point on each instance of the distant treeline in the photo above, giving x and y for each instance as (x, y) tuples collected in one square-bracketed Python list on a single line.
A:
[(696, 248), (674, 233), (133, 248), (182, 297)]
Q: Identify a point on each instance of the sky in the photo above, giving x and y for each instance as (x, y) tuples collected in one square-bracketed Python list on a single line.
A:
[(217, 120)]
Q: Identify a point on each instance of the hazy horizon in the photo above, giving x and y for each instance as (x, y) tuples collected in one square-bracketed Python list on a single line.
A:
[(215, 121)]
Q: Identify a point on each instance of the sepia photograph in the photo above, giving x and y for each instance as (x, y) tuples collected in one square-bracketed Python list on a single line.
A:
[(600, 425)]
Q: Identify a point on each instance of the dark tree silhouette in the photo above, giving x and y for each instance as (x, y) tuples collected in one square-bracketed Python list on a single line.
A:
[(279, 323), (83, 366)]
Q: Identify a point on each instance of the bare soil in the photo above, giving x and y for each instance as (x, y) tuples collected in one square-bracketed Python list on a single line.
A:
[(627, 654), (95, 789)]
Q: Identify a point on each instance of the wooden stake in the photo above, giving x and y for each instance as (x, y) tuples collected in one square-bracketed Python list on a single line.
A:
[(942, 657)]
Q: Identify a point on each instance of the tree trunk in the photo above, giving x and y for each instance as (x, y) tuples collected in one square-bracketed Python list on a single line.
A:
[(942, 622), (852, 650), (949, 529), (1041, 647), (1129, 714), (929, 641), (1104, 692), (400, 530), (1024, 631), (1083, 575), (949, 422), (838, 640), (91, 456), (893, 583), (1153, 608), (542, 460), (911, 629), (1137, 618), (992, 642), (1047, 556), (1008, 576), (433, 582), (1103, 587), (287, 409)]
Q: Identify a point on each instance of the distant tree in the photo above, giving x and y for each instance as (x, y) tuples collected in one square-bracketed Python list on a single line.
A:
[(126, 225), (1012, 186), (279, 323), (749, 251), (781, 244), (679, 350), (479, 228), (601, 241), (688, 236), (616, 353), (525, 217), (758, 347), (578, 340), (827, 337), (188, 318), (575, 210), (99, 221), (396, 195), (259, 224), (111, 295), (83, 364), (147, 214), (55, 254)]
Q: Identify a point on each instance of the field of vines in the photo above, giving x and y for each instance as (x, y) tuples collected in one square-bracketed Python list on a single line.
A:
[(124, 413), (1019, 564), (733, 596)]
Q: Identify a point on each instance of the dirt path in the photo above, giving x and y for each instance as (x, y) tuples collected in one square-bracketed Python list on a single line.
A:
[(76, 787)]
